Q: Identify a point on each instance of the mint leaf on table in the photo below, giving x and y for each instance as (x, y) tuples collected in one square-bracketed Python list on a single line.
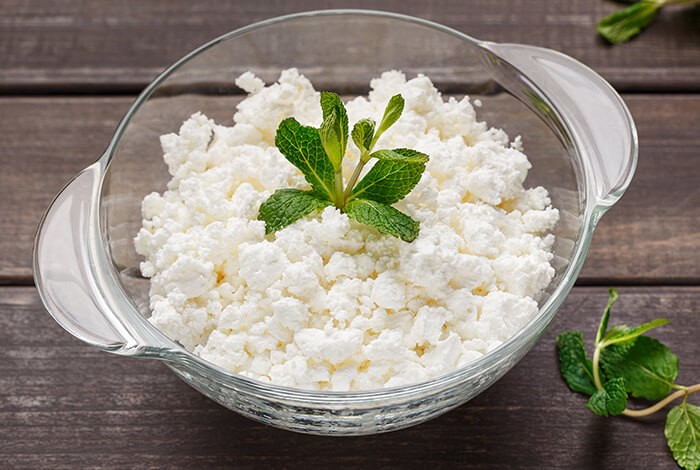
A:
[(301, 145), (384, 218), (683, 435), (623, 334), (624, 24), (392, 177), (318, 154), (626, 361), (286, 206), (576, 368), (617, 330), (603, 326), (648, 367), (611, 400)]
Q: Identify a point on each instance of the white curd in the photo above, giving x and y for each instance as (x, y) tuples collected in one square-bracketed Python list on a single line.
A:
[(327, 303)]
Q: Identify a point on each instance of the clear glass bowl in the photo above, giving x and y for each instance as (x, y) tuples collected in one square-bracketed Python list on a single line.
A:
[(576, 130)]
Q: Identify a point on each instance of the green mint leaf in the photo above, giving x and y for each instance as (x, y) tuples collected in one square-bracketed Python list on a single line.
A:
[(330, 139), (392, 113), (624, 24), (384, 218), (363, 133), (597, 403), (611, 400), (648, 367), (624, 334), (602, 328), (404, 155), (616, 330), (389, 180), (682, 432), (301, 145), (286, 206), (330, 102), (617, 396), (575, 367)]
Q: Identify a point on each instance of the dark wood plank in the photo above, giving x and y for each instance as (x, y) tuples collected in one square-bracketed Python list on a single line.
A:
[(76, 46), (66, 405), (45, 143), (650, 236)]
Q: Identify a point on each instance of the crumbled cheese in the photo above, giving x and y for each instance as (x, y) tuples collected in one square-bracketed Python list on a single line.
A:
[(327, 303)]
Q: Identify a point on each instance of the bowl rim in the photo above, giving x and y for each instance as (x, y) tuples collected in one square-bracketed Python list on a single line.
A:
[(178, 357)]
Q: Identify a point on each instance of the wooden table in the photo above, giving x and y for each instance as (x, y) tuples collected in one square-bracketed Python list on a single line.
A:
[(69, 70)]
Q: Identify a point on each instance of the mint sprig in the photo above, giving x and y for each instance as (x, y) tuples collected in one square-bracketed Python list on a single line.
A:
[(626, 362), (624, 24), (318, 154)]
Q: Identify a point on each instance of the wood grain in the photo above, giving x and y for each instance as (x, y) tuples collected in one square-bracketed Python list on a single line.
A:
[(649, 237), (85, 47), (66, 405), (45, 143), (652, 234)]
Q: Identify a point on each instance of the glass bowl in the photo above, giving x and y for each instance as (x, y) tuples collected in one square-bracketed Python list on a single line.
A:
[(577, 132)]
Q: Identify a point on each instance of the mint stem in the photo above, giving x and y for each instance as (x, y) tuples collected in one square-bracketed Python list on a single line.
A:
[(659, 405), (364, 158), (596, 369), (339, 199), (353, 179)]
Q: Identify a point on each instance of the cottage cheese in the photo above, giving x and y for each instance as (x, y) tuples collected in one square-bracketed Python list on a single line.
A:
[(327, 303)]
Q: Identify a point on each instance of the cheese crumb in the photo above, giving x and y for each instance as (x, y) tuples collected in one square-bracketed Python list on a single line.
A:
[(327, 303)]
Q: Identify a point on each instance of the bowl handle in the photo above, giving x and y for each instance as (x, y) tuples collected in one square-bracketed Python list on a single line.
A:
[(69, 277), (603, 129)]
